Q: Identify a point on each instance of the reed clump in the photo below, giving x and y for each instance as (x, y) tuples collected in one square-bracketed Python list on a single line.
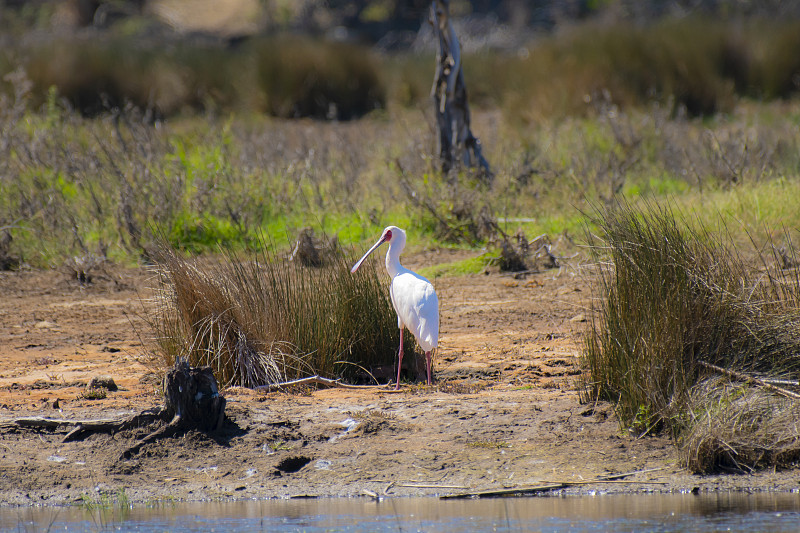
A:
[(672, 298), (262, 319)]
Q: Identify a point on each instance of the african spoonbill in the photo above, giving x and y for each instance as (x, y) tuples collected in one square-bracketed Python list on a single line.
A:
[(413, 297)]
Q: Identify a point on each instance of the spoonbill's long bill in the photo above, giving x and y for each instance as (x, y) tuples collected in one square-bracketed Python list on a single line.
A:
[(413, 298)]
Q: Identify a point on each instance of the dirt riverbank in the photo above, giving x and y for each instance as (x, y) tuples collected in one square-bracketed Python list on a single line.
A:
[(504, 413)]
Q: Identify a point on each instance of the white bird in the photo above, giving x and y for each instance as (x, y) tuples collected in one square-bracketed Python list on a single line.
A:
[(413, 297)]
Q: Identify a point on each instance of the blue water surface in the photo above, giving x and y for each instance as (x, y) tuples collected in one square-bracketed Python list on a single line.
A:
[(604, 513)]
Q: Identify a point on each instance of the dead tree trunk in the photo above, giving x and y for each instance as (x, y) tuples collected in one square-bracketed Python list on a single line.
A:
[(457, 144)]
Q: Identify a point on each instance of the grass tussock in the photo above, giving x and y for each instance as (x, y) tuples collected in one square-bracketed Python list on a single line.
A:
[(264, 320), (673, 296), (738, 428)]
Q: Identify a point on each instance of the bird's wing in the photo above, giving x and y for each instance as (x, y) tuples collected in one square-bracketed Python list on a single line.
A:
[(417, 307)]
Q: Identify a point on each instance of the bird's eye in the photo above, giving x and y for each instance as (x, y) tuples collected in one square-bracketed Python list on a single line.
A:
[(388, 235)]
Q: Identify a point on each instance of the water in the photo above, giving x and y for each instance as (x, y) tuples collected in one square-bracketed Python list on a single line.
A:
[(608, 513)]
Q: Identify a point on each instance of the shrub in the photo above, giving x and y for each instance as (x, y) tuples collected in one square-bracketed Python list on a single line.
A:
[(695, 64), (287, 76), (304, 78), (775, 73), (95, 77), (676, 62)]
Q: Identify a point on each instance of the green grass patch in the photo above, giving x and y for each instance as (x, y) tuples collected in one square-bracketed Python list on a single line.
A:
[(472, 265), (72, 186), (197, 235)]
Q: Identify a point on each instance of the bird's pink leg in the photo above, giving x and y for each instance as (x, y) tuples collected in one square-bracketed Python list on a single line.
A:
[(428, 357), (399, 360)]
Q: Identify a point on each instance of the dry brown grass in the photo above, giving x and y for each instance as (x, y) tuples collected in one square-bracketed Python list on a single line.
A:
[(264, 320), (740, 428)]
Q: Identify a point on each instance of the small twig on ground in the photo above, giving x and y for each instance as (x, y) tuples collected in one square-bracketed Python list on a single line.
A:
[(315, 380), (503, 492), (750, 379), (632, 473), (429, 486)]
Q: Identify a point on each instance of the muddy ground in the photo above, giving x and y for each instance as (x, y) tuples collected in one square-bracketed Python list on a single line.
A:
[(505, 411)]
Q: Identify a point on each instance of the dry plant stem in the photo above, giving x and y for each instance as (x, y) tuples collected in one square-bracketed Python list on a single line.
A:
[(752, 380), (315, 380)]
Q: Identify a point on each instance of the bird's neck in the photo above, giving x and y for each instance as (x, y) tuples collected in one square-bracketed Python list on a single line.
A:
[(393, 266)]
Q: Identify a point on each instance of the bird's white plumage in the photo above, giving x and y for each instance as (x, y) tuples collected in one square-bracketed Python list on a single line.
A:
[(417, 307), (413, 297)]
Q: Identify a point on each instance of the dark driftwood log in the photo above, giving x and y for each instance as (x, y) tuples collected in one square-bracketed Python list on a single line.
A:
[(85, 428), (456, 141), (548, 486), (82, 428)]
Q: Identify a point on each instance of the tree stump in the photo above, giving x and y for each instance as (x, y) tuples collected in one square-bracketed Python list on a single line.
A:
[(456, 141), (191, 395), (191, 400)]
